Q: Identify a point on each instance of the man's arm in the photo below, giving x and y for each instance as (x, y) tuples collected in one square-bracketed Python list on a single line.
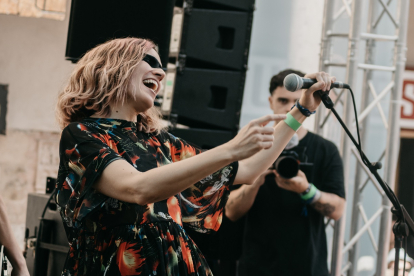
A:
[(12, 249), (241, 200), (329, 204)]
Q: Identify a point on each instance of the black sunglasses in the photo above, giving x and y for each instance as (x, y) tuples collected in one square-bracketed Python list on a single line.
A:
[(152, 61)]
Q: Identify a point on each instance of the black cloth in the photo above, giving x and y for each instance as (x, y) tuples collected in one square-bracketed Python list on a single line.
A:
[(280, 238)]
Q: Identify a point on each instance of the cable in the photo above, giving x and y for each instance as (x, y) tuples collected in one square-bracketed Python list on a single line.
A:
[(359, 147), (48, 203)]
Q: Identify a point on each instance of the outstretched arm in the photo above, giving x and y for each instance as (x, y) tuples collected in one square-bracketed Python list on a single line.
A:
[(251, 168), (330, 205), (12, 249), (256, 145), (122, 181)]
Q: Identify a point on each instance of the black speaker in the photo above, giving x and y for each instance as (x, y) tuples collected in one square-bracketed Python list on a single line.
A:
[(208, 98), (216, 39), (93, 22), (46, 241), (212, 64), (242, 5)]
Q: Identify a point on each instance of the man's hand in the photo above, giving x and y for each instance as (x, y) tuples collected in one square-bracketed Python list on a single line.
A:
[(297, 184), (329, 205)]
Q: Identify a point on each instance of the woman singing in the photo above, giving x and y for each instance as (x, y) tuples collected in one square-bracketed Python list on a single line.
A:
[(126, 187)]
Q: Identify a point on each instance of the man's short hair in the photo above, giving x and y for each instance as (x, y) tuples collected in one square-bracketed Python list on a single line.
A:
[(277, 80)]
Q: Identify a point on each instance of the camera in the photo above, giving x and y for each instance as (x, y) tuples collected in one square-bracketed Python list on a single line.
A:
[(288, 164)]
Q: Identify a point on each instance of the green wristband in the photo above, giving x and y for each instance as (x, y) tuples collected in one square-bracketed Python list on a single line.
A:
[(309, 194), (292, 122)]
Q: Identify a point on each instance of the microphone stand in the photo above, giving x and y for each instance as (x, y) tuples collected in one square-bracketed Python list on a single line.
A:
[(404, 225)]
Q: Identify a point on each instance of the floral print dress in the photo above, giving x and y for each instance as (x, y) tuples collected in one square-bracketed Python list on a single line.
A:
[(111, 237)]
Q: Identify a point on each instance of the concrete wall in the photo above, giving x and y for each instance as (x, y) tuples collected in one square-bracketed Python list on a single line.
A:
[(33, 65)]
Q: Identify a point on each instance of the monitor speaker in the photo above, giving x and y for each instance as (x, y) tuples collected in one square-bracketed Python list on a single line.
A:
[(46, 241)]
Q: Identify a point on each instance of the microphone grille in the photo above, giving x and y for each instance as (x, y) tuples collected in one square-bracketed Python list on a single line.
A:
[(293, 82)]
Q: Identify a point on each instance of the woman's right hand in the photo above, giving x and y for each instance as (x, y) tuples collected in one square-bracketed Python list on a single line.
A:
[(254, 137)]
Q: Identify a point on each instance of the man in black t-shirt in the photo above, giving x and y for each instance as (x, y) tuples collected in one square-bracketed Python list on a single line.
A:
[(285, 231)]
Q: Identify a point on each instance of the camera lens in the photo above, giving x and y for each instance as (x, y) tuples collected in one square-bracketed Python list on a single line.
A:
[(287, 166)]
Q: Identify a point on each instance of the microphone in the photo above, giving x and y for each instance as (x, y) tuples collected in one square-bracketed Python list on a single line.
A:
[(293, 82)]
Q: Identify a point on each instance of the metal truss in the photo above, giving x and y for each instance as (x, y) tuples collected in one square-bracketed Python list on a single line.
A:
[(360, 61)]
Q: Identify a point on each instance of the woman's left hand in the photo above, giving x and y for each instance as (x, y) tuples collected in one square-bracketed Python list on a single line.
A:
[(309, 98)]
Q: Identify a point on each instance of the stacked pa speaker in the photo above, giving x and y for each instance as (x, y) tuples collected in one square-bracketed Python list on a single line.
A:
[(211, 70), (93, 22)]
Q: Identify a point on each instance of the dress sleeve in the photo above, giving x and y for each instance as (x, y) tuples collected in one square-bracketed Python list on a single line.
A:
[(202, 204), (84, 154)]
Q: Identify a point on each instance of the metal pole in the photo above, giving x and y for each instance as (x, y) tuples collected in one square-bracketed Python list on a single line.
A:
[(357, 198), (351, 79), (326, 48), (393, 139), (326, 44)]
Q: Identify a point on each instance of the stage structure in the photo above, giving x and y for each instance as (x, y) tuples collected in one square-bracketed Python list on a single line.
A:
[(367, 32)]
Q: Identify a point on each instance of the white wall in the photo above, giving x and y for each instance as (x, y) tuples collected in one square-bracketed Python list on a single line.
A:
[(306, 30), (286, 34), (32, 63)]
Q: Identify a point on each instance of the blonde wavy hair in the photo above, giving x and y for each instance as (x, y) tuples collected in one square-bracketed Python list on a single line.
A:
[(101, 78)]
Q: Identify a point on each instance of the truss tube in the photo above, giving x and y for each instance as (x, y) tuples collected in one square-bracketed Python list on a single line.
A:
[(324, 56), (393, 139), (351, 79), (357, 196), (326, 45)]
